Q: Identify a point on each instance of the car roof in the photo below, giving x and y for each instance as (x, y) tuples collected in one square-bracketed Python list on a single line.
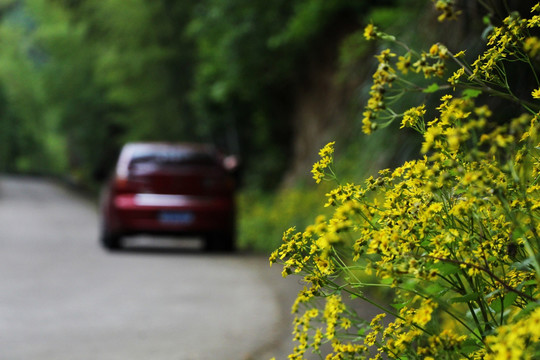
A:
[(202, 147), (130, 149)]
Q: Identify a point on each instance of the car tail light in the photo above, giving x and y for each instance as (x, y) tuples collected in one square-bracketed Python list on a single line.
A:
[(120, 184), (128, 185)]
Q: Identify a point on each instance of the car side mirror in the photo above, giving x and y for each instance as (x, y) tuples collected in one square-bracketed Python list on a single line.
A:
[(231, 163)]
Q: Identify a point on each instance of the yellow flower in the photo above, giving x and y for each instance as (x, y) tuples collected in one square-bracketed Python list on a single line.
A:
[(345, 323), (377, 319), (534, 21), (447, 9), (435, 208), (434, 50), (317, 339), (332, 311), (404, 63), (319, 167), (454, 79), (385, 56), (532, 46), (413, 116), (423, 315), (318, 172), (370, 32), (438, 50), (367, 125), (536, 93), (453, 138), (430, 137), (327, 150)]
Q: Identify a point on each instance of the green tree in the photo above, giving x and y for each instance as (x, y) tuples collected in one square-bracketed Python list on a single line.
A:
[(85, 76)]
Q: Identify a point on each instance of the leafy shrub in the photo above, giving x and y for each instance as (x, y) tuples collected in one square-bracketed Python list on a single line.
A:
[(262, 216), (455, 234)]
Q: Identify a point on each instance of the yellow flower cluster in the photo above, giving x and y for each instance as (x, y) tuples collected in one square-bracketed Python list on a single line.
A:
[(447, 9), (408, 328), (532, 46), (370, 32), (454, 236), (502, 44), (517, 340), (382, 80), (319, 167), (311, 329), (505, 44), (389, 83), (459, 217), (414, 118)]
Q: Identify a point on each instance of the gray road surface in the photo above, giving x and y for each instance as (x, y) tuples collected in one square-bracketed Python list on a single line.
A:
[(63, 297)]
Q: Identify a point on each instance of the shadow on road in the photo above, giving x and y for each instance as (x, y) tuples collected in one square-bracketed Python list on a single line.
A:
[(172, 246)]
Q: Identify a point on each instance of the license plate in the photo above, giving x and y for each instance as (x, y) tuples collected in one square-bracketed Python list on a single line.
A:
[(176, 217)]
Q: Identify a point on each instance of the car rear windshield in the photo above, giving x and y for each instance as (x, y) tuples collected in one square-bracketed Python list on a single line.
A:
[(173, 158)]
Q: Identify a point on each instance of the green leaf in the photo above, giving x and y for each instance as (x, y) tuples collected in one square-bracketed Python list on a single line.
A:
[(447, 268), (431, 88), (466, 298), (526, 310), (470, 345), (471, 93), (523, 265), (435, 289), (527, 283), (409, 285), (388, 37), (507, 301), (400, 305), (357, 295)]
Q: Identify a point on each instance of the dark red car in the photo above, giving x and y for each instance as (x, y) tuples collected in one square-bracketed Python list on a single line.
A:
[(164, 188)]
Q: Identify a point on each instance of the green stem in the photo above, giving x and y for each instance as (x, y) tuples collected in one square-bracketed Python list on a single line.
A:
[(361, 296), (490, 273), (364, 216), (473, 314), (464, 324), (528, 60)]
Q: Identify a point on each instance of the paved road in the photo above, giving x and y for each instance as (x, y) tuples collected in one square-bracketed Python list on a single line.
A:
[(63, 297)]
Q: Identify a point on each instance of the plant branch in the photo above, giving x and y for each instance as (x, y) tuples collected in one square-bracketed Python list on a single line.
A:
[(487, 271)]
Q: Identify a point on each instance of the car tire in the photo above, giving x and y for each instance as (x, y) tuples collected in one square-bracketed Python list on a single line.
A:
[(220, 242), (110, 241)]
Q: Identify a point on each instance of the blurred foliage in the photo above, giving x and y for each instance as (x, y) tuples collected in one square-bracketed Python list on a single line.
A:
[(78, 78), (81, 77), (263, 216)]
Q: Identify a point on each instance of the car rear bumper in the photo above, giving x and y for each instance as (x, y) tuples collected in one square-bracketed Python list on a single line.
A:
[(161, 213)]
